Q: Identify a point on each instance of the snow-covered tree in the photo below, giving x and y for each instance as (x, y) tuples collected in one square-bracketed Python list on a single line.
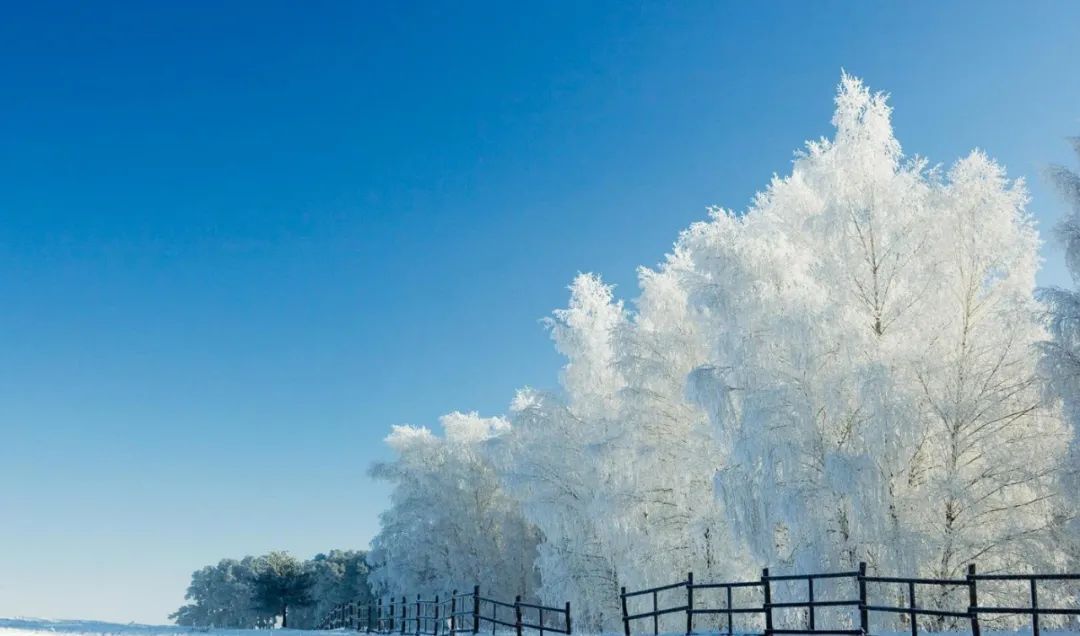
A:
[(451, 524), (555, 460), (339, 576), (221, 596), (875, 327), (1061, 356), (281, 585)]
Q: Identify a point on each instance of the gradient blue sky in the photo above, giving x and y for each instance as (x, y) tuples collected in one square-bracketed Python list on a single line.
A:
[(240, 240)]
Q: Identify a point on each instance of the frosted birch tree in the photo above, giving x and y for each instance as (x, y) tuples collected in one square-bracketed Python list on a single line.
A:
[(450, 524), (1061, 356), (560, 459)]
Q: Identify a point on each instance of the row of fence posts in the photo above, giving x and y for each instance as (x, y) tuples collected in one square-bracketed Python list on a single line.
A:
[(912, 610), (347, 615)]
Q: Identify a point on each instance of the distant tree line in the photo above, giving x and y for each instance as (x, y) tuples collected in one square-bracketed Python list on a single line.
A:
[(273, 589)]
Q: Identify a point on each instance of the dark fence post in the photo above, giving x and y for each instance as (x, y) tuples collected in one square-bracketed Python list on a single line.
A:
[(404, 614), (625, 620), (729, 612), (436, 629), (476, 609), (767, 605), (864, 614), (517, 614), (810, 599), (911, 605), (973, 598), (568, 618), (689, 603), (655, 616), (418, 615), (1034, 608), (370, 617), (453, 612), (393, 614)]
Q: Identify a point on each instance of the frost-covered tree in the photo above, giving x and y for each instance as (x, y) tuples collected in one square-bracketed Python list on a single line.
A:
[(616, 471), (1061, 355), (555, 460), (339, 576), (875, 325), (221, 596), (451, 524), (281, 584)]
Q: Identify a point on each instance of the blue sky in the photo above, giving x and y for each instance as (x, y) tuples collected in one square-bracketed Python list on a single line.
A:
[(241, 240)]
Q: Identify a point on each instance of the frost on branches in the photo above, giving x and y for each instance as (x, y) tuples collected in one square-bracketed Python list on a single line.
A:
[(844, 372), (1061, 357), (450, 524)]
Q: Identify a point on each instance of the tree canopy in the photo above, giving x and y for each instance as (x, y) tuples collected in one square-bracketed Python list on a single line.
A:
[(845, 371)]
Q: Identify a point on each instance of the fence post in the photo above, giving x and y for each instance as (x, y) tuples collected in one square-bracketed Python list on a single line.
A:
[(911, 604), (453, 612), (404, 614), (517, 614), (625, 619), (436, 629), (864, 614), (1034, 608), (810, 599), (974, 600), (729, 613), (655, 616), (568, 618), (417, 615), (476, 609), (370, 617), (390, 626), (767, 605), (689, 603)]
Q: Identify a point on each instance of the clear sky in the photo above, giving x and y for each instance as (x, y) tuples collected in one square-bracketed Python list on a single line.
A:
[(240, 240)]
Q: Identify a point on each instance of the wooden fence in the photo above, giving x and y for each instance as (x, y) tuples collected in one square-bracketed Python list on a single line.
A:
[(860, 605), (466, 613)]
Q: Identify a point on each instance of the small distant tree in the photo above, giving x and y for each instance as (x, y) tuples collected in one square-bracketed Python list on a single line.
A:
[(281, 582)]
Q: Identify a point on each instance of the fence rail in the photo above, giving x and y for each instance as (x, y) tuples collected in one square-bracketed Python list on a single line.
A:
[(859, 626), (465, 613)]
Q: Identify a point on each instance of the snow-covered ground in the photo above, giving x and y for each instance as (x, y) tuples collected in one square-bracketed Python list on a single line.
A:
[(32, 626), (37, 627)]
